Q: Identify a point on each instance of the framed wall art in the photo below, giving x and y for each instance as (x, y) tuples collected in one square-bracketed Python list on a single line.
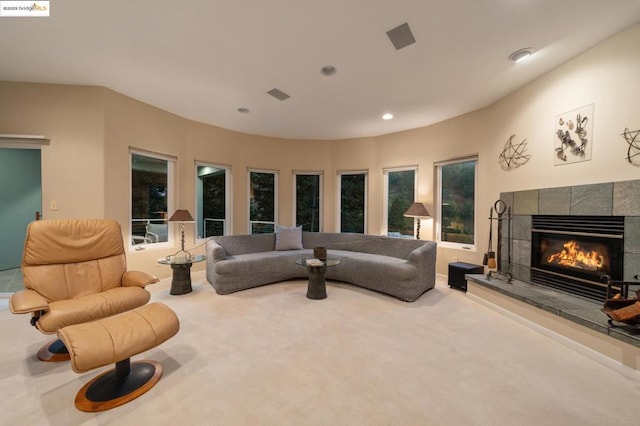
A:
[(573, 136)]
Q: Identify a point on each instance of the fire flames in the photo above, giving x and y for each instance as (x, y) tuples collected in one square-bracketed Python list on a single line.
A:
[(572, 256)]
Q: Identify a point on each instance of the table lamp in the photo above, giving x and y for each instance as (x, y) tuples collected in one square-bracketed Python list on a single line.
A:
[(182, 217), (417, 210)]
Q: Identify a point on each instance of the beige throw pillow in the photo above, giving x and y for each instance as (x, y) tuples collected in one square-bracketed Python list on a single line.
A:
[(288, 238)]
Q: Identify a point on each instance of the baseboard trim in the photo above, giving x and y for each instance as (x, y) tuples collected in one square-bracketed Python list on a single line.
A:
[(613, 353)]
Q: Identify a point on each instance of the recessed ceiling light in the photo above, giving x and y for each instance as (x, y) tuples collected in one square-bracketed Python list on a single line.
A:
[(387, 116), (521, 55), (328, 70), (243, 110)]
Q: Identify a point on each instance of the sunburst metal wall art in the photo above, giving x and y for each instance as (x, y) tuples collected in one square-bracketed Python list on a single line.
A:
[(633, 140), (513, 155)]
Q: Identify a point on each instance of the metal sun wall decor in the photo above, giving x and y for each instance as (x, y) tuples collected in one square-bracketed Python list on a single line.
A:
[(631, 136), (573, 136), (513, 155)]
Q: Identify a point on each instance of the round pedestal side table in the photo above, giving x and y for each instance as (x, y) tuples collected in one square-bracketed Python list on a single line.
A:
[(181, 267), (317, 286)]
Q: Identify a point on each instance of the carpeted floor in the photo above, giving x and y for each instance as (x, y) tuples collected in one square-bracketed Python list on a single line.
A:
[(11, 280), (269, 356)]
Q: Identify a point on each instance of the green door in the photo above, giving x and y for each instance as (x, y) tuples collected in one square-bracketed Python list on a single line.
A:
[(20, 199)]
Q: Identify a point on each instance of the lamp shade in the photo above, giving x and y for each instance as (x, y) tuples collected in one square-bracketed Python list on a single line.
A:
[(417, 210), (181, 216)]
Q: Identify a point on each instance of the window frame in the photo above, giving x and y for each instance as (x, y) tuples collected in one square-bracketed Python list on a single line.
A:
[(276, 174), (228, 197), (438, 207), (385, 194), (171, 167), (320, 196), (339, 175)]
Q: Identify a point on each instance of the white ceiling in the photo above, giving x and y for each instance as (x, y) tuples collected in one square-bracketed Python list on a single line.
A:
[(204, 59)]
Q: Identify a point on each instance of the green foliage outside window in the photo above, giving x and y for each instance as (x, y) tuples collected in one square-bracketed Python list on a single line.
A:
[(213, 202), (149, 179), (262, 203), (308, 202), (401, 192), (352, 203), (458, 202)]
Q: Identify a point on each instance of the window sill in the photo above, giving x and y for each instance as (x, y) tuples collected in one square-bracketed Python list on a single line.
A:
[(149, 247), (457, 246)]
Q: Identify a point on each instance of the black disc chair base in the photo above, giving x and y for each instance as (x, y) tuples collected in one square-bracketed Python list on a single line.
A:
[(54, 351), (116, 387)]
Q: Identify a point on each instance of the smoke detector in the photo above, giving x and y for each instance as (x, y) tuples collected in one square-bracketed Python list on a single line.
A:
[(521, 55)]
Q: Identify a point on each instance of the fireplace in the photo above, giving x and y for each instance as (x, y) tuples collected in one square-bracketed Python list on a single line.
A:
[(572, 253)]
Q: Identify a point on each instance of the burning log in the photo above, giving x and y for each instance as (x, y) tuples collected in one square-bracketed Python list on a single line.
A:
[(572, 256)]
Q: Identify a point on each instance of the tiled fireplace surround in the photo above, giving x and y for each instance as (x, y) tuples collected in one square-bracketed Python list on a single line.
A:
[(602, 199), (551, 309)]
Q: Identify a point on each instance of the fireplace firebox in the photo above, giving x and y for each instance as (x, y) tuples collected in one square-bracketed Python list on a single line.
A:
[(572, 253)]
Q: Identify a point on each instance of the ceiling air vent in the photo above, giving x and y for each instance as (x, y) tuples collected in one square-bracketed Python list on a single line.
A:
[(278, 94), (401, 36)]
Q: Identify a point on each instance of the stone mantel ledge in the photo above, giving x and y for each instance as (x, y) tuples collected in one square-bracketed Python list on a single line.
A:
[(600, 199)]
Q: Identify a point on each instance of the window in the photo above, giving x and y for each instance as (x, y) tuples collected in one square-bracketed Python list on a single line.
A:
[(263, 199), (456, 201), (213, 197), (151, 197), (307, 201), (352, 202), (400, 186)]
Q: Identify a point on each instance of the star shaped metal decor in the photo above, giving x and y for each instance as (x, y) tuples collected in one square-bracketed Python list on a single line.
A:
[(513, 155), (633, 140)]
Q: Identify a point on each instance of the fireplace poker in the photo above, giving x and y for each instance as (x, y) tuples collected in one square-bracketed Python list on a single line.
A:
[(509, 238), (501, 207), (490, 256)]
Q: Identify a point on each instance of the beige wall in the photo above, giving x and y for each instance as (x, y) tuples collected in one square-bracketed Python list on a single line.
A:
[(86, 166), (74, 120)]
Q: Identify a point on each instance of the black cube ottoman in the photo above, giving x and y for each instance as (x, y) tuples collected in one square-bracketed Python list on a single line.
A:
[(457, 271)]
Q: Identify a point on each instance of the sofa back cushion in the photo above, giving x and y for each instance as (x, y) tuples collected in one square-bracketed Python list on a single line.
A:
[(373, 244), (242, 244)]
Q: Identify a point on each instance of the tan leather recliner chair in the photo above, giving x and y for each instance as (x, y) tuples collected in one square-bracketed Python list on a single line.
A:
[(75, 271)]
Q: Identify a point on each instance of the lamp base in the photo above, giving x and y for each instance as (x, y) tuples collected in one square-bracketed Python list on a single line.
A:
[(181, 256)]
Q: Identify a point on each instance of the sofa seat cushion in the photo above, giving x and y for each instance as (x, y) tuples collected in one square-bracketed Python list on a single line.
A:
[(259, 262), (365, 267), (254, 269), (92, 307)]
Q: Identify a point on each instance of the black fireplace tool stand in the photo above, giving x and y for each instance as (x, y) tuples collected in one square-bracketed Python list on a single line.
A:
[(500, 208)]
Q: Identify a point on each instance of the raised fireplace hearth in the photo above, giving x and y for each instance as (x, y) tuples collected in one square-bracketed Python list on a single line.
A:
[(580, 233), (573, 253)]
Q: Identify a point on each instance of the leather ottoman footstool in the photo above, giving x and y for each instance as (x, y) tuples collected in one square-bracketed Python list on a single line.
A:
[(115, 340)]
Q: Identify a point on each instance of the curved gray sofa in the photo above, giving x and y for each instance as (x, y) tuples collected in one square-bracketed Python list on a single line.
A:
[(404, 268)]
